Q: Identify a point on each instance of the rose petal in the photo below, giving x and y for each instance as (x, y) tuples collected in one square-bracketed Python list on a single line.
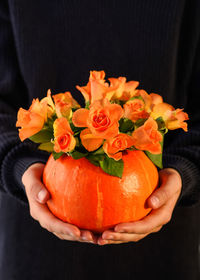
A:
[(89, 141), (61, 126), (156, 98), (25, 133), (80, 117)]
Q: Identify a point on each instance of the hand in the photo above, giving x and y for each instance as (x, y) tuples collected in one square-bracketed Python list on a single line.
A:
[(37, 196), (162, 201)]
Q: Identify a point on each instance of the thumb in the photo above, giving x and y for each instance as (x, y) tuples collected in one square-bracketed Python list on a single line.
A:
[(34, 187), (170, 184)]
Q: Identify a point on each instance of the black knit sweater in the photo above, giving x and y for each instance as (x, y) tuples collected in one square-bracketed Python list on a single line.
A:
[(54, 44), (48, 45)]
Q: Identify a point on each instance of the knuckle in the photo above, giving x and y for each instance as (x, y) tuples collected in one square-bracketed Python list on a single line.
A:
[(41, 224), (136, 239), (32, 214), (117, 237), (167, 219), (60, 236), (32, 189), (44, 225), (164, 195), (49, 228), (157, 229)]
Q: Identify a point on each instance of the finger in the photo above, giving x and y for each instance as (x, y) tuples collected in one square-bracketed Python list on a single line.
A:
[(102, 241), (170, 184), (156, 218), (48, 221), (128, 237), (65, 237), (36, 190), (70, 238), (33, 184), (88, 236)]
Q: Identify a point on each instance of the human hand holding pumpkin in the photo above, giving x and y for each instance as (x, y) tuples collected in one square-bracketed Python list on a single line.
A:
[(37, 196), (162, 201)]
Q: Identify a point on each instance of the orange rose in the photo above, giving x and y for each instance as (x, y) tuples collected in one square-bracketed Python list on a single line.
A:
[(64, 139), (173, 118), (64, 103), (176, 119), (32, 120), (48, 105), (135, 109), (120, 89), (146, 98), (95, 88), (113, 147), (147, 137), (102, 119)]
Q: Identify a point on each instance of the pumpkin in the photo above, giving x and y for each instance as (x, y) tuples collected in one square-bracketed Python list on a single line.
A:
[(84, 195)]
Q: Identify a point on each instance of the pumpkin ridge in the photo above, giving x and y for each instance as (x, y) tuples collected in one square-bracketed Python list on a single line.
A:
[(99, 221), (145, 174)]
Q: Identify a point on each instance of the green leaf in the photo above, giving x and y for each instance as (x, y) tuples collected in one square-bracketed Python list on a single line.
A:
[(93, 161), (116, 101), (139, 123), (48, 146), (77, 154), (49, 123), (156, 159), (57, 155), (87, 105), (43, 136), (95, 158), (75, 129), (161, 125), (122, 102), (125, 125), (160, 122), (112, 167), (136, 97), (74, 109), (100, 151)]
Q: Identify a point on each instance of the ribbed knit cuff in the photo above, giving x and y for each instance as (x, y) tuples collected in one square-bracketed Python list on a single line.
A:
[(190, 192), (14, 166)]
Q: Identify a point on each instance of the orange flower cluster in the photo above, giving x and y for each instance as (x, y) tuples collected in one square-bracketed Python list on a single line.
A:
[(99, 124)]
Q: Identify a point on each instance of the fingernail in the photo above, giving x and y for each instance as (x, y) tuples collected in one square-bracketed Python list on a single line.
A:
[(42, 195), (155, 201), (73, 234), (86, 239)]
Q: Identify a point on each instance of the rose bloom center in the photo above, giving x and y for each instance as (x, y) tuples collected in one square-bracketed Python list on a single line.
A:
[(119, 144), (64, 141), (137, 105), (101, 121)]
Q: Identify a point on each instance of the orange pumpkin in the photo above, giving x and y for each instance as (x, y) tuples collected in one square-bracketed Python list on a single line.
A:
[(84, 195)]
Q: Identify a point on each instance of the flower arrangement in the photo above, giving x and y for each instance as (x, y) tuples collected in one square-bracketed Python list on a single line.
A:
[(117, 117)]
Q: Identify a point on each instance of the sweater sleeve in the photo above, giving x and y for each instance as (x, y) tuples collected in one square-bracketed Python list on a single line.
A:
[(15, 156), (182, 149)]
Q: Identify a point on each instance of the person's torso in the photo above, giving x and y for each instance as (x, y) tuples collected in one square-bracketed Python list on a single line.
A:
[(59, 42)]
